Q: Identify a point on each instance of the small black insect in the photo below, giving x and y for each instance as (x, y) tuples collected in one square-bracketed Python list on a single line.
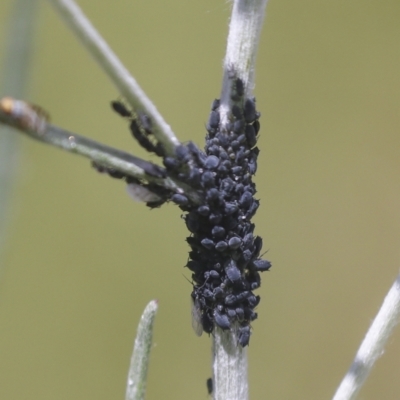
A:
[(244, 335), (209, 386), (121, 109)]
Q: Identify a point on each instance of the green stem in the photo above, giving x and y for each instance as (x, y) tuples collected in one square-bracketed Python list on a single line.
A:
[(99, 153), (116, 71), (137, 376)]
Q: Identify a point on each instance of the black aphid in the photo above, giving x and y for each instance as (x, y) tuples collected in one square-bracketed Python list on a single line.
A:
[(121, 109), (209, 386), (140, 128), (224, 259)]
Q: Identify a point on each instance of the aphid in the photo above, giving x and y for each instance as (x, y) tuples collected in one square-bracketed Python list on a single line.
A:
[(234, 242), (207, 179), (248, 240), (208, 243), (192, 222), (212, 274), (204, 210), (197, 317), (115, 174), (199, 155), (252, 166), (182, 152), (258, 242), (243, 335), (25, 115), (236, 112), (233, 272), (211, 162), (213, 149), (208, 324), (239, 313), (180, 199), (215, 218), (261, 265), (249, 110), (141, 130), (212, 194), (142, 139), (121, 109), (254, 279), (227, 185), (195, 266), (231, 299), (146, 123), (230, 208), (221, 246), (213, 121), (252, 210), (140, 193), (231, 313), (253, 300), (239, 87), (235, 145), (247, 255), (221, 320), (218, 292), (215, 104), (236, 170), (209, 386), (246, 200), (251, 135), (238, 126), (230, 223), (171, 163), (218, 231), (194, 176)]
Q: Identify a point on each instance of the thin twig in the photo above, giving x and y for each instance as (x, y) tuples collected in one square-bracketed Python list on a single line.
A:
[(229, 367), (137, 376), (100, 154), (372, 346), (116, 71), (230, 359), (243, 38)]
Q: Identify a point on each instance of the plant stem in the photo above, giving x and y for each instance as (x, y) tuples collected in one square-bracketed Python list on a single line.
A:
[(137, 376), (230, 359), (372, 346), (99, 153), (229, 367), (243, 38), (116, 71)]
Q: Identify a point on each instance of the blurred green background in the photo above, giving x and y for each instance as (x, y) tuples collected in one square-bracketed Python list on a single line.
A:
[(82, 260)]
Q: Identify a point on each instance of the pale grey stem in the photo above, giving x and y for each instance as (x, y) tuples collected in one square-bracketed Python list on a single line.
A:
[(113, 67), (243, 38), (19, 38), (100, 154), (230, 359), (229, 368), (372, 346), (136, 387)]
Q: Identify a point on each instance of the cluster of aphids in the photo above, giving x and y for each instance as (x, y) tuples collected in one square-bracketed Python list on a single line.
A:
[(225, 255)]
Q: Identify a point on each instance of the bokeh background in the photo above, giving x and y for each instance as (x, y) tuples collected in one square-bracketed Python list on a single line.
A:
[(82, 260)]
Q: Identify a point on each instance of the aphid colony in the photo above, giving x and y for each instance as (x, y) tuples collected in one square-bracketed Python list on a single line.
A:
[(225, 255)]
